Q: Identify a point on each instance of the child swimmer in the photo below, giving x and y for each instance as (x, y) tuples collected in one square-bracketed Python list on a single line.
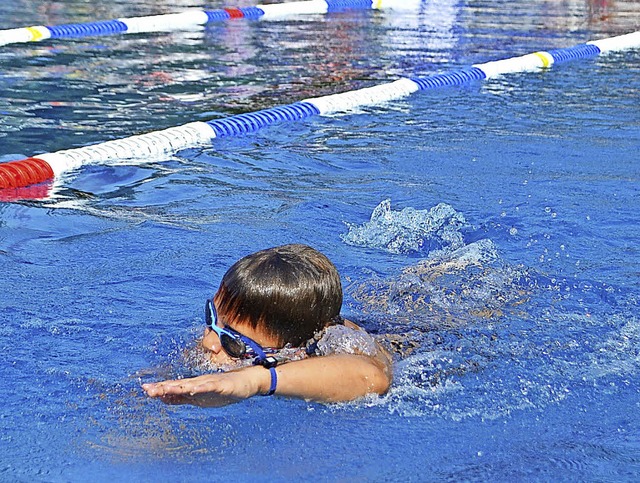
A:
[(277, 316)]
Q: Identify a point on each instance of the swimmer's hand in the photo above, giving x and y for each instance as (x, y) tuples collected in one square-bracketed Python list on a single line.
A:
[(333, 378), (211, 390)]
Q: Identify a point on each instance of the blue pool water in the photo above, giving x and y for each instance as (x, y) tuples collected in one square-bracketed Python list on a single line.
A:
[(491, 231)]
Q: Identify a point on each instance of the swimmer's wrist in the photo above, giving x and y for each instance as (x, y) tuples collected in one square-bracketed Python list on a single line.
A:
[(262, 378), (273, 382)]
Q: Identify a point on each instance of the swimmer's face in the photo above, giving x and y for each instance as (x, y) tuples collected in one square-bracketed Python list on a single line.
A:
[(211, 341)]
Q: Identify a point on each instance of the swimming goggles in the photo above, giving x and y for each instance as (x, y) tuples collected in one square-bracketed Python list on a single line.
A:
[(240, 346)]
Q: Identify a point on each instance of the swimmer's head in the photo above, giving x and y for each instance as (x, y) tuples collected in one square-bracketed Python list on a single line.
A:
[(289, 292)]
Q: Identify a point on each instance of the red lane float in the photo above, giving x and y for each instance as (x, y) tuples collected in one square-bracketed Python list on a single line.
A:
[(25, 172)]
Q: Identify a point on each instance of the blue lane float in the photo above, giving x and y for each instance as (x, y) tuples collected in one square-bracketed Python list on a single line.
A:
[(252, 121), (160, 144), (581, 51), (449, 79), (85, 30), (194, 19)]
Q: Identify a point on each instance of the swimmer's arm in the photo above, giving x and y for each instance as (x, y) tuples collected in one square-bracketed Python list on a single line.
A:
[(334, 378)]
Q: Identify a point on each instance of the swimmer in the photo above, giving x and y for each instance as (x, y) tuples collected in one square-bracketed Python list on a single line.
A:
[(276, 321)]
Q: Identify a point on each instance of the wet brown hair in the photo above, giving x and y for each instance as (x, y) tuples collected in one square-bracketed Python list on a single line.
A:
[(290, 291)]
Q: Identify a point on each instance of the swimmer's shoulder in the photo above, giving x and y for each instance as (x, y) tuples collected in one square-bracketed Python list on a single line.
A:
[(351, 324)]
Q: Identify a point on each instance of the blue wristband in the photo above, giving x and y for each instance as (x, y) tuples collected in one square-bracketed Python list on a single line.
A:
[(270, 363), (274, 382)]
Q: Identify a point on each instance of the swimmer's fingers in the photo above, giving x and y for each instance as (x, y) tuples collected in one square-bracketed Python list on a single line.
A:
[(211, 390), (164, 388), (175, 387)]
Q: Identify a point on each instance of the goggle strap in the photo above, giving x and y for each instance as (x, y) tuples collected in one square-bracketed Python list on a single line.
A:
[(255, 346)]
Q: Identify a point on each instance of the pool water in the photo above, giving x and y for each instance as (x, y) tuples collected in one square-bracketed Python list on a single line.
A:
[(488, 232)]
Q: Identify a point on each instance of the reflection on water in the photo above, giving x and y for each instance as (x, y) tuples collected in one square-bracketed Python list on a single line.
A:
[(94, 89), (22, 13)]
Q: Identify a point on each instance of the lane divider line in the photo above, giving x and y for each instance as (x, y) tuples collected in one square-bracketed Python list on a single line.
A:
[(193, 19), (44, 167)]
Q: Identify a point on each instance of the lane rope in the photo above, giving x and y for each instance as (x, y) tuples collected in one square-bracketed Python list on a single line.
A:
[(192, 19), (158, 144)]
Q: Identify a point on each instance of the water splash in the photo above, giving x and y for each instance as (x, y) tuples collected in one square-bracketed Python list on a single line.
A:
[(409, 230), (450, 288), (476, 336)]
